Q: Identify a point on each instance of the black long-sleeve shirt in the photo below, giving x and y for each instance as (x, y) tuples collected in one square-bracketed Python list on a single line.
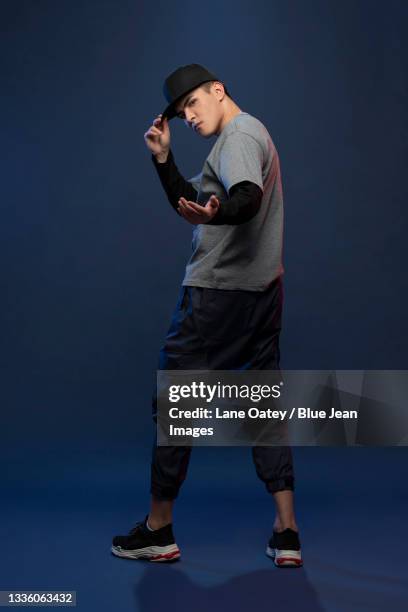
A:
[(244, 198)]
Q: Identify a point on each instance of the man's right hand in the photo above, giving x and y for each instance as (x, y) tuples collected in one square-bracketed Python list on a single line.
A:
[(157, 138)]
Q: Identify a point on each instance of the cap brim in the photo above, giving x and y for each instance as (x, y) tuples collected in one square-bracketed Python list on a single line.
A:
[(169, 112)]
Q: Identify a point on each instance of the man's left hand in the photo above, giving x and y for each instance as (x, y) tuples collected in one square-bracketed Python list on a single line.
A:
[(195, 213)]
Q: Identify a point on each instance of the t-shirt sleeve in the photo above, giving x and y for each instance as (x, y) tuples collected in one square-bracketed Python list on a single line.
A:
[(241, 159), (195, 181)]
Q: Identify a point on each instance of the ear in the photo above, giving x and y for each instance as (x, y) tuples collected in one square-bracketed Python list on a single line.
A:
[(219, 90)]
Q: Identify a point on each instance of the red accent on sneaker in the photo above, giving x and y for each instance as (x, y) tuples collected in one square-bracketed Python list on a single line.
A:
[(282, 560), (166, 555)]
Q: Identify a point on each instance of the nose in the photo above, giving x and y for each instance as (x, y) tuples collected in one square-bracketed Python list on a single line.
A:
[(189, 116)]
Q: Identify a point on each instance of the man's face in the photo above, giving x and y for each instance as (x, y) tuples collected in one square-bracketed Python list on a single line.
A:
[(201, 110)]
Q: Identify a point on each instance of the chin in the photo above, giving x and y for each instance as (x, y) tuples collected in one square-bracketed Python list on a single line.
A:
[(206, 134)]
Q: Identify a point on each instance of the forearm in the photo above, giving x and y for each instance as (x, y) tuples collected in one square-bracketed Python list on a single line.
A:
[(241, 207), (174, 184)]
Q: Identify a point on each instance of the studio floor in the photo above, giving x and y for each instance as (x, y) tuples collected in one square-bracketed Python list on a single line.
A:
[(58, 518)]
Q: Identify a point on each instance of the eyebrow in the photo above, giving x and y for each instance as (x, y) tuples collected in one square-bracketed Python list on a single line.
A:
[(186, 102)]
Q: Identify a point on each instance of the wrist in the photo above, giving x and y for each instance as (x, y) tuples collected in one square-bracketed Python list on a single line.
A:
[(162, 157)]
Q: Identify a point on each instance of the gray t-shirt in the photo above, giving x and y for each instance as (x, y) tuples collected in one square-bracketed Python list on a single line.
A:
[(246, 256)]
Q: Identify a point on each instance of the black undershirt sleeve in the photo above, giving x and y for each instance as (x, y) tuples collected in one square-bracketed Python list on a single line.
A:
[(173, 183), (243, 204)]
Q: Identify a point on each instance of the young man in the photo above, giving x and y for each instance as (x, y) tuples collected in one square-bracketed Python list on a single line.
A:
[(229, 311)]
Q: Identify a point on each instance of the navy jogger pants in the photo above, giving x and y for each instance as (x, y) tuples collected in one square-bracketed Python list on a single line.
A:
[(216, 329)]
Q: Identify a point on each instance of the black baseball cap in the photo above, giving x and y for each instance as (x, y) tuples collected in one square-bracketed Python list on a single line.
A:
[(181, 81)]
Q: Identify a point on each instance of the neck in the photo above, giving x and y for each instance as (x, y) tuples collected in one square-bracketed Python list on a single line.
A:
[(231, 111)]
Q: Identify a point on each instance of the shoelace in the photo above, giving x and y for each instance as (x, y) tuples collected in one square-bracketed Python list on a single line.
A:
[(136, 528)]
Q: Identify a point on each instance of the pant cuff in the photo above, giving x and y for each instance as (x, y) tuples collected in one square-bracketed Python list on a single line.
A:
[(282, 484)]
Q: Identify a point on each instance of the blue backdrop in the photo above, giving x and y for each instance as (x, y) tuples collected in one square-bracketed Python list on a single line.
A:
[(92, 257)]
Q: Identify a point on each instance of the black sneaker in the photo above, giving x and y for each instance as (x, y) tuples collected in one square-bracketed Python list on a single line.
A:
[(284, 548), (141, 543)]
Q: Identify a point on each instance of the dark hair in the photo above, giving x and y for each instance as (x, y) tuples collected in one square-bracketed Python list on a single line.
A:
[(207, 87)]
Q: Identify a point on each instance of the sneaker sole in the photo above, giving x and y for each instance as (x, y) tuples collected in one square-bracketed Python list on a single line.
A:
[(151, 553), (285, 558)]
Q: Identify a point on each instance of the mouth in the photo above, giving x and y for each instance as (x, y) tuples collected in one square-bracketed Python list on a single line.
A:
[(197, 126)]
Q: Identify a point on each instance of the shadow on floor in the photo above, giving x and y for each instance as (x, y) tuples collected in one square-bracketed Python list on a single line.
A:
[(171, 589)]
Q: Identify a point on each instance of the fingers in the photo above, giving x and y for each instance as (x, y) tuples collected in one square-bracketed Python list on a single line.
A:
[(150, 136), (184, 211), (194, 213), (188, 212), (160, 122), (158, 128), (198, 207), (214, 202), (157, 137), (194, 207), (183, 201), (187, 206), (155, 131)]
